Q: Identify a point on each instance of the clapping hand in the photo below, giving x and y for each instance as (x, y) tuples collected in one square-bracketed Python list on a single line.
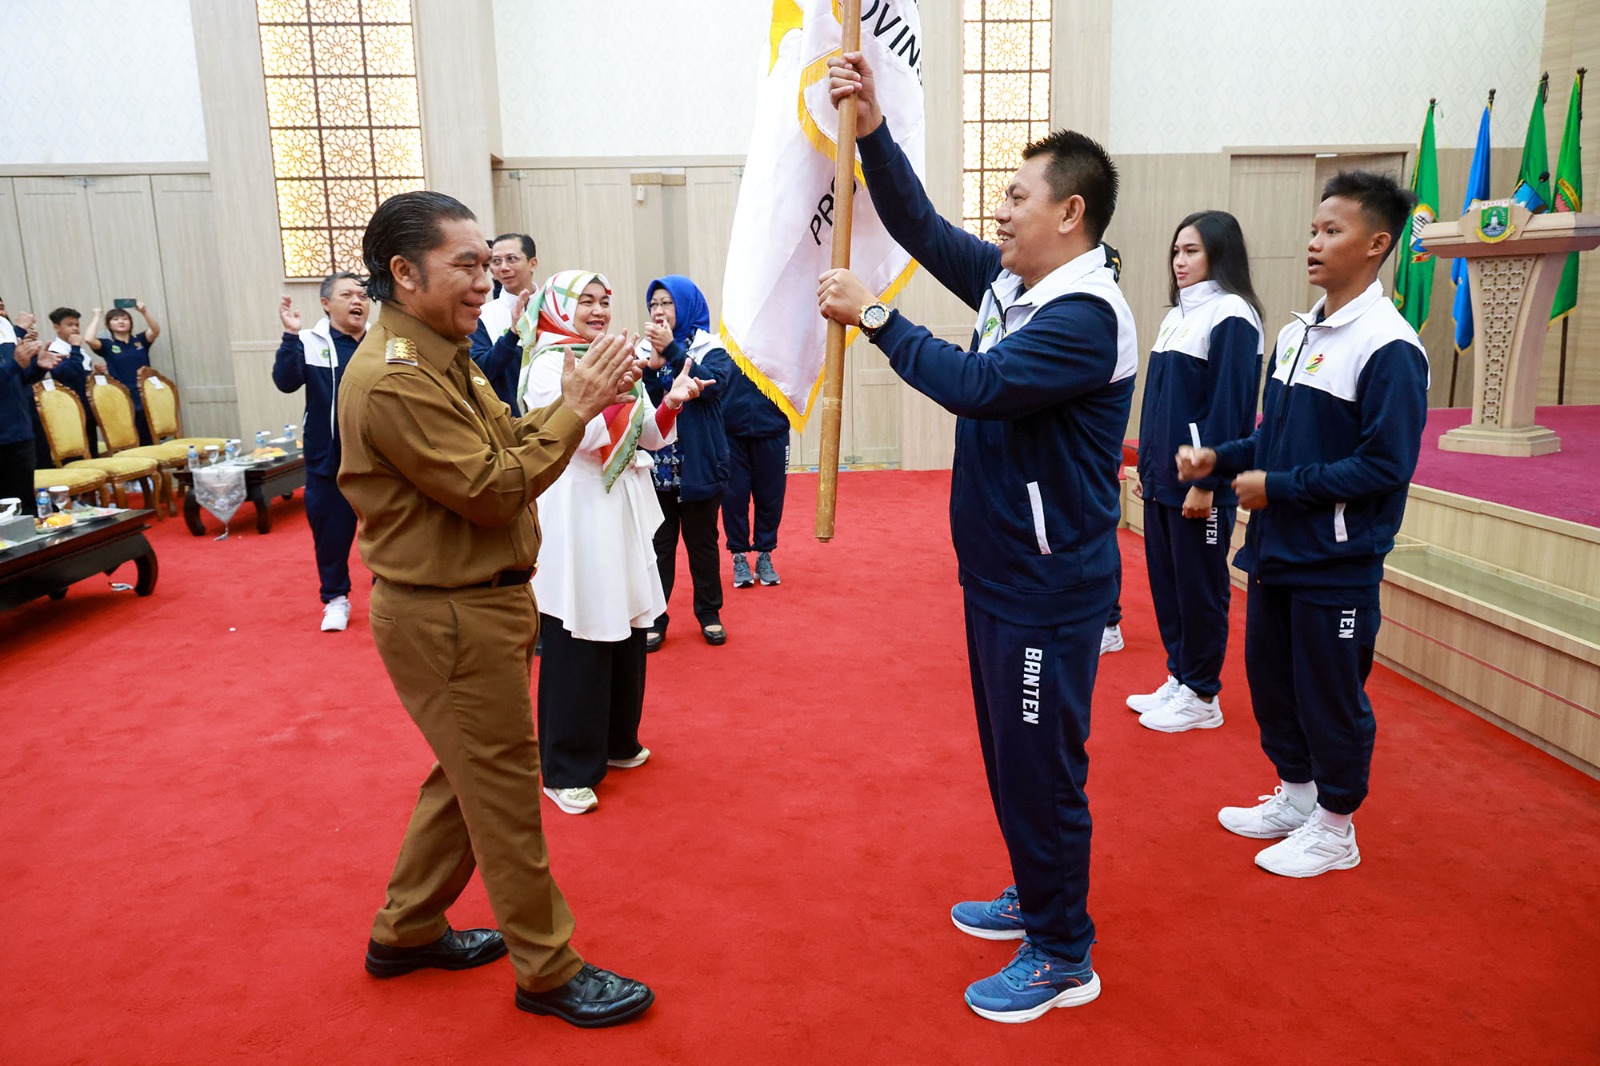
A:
[(26, 352), (605, 375), (286, 314), (659, 336), (521, 307)]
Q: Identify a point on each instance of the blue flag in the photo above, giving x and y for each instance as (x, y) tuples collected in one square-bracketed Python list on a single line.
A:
[(1477, 189)]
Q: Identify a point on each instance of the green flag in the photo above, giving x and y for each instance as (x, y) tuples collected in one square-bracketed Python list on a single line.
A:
[(1568, 192), (1533, 177), (1413, 265)]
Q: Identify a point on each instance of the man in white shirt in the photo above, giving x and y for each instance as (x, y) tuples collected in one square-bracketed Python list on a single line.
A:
[(496, 349)]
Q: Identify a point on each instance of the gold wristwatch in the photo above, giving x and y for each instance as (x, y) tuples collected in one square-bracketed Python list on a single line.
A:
[(873, 317)]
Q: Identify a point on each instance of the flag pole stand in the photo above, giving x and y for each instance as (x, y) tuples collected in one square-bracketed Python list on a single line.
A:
[(844, 187)]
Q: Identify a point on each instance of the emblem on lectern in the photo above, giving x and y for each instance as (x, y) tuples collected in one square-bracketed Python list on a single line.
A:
[(1494, 221)]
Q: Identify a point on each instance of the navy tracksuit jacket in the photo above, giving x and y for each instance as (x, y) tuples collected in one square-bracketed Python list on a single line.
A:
[(1042, 402), (1340, 431), (1203, 371), (315, 359)]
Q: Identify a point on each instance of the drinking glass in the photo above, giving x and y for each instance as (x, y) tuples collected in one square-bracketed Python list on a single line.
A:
[(60, 495)]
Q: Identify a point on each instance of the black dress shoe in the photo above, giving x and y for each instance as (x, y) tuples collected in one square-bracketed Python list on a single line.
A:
[(454, 951), (652, 640), (715, 634), (591, 1000)]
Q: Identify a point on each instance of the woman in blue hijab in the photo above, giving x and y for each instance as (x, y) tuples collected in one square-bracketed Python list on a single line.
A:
[(691, 474)]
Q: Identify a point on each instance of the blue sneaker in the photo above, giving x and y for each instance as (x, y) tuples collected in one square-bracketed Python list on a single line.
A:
[(1033, 983), (991, 919)]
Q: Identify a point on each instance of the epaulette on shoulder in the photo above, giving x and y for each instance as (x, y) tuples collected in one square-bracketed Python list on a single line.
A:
[(400, 350)]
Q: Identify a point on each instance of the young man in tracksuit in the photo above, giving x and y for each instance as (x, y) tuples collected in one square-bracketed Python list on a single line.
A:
[(496, 347), (316, 358), (1326, 474), (1042, 401)]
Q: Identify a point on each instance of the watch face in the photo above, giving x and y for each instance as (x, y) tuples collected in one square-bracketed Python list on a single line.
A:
[(874, 316)]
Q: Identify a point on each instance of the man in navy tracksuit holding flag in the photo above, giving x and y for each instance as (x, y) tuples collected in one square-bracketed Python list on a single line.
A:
[(1325, 474), (316, 359), (1042, 402)]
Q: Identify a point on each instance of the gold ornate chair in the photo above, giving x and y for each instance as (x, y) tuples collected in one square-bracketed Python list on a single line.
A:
[(114, 411), (80, 481), (160, 397), (61, 414)]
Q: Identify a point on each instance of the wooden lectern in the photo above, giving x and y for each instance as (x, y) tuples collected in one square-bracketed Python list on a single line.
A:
[(1514, 262)]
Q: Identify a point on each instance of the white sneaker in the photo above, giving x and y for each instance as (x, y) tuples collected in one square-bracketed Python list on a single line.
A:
[(336, 614), (1273, 817), (1155, 700), (629, 764), (1111, 639), (1185, 710), (574, 800), (1314, 848)]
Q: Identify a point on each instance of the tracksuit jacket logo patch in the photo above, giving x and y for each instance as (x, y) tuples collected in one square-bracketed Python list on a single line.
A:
[(1032, 669), (1315, 364)]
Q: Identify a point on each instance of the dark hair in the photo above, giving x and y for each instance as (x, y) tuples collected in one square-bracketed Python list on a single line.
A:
[(61, 314), (333, 279), (529, 249), (115, 311), (407, 225), (1227, 259), (1079, 166), (1386, 203)]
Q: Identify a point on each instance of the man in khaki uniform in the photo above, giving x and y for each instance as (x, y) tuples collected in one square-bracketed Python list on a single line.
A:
[(444, 482)]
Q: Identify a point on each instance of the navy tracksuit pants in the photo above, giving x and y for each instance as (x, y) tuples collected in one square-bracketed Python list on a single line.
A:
[(333, 530), (1188, 563), (1307, 653), (759, 467), (1031, 687)]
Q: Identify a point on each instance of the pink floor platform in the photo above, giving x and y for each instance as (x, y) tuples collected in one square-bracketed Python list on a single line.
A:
[(1565, 484)]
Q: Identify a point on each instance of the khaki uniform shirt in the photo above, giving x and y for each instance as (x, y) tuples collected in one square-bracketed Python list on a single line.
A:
[(441, 476)]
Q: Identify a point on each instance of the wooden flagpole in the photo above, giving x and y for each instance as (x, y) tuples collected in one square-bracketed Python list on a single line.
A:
[(844, 187)]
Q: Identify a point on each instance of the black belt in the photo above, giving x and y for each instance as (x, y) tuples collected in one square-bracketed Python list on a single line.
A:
[(505, 578)]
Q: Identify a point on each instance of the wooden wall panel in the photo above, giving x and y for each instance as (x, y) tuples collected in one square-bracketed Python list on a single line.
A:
[(606, 210), (1273, 197), (123, 220), (1572, 40), (711, 195), (1157, 192), (58, 245), (14, 286), (196, 315)]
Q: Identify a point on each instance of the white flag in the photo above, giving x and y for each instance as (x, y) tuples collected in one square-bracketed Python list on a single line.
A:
[(783, 227)]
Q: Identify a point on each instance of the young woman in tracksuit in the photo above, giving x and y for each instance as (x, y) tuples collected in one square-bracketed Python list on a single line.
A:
[(1201, 384)]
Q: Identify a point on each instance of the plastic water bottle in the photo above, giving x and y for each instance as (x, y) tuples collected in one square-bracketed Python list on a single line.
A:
[(41, 503), (261, 438), (194, 458), (232, 452), (288, 436)]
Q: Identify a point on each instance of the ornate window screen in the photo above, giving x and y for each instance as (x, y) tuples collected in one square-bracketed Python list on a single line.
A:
[(1005, 99), (345, 124)]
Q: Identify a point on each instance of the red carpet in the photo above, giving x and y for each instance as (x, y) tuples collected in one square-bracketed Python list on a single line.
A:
[(1560, 485), (204, 795)]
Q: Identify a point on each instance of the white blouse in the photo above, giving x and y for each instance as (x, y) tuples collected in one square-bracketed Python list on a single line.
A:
[(597, 560)]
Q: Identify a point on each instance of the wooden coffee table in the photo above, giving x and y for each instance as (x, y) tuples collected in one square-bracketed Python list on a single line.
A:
[(46, 566), (262, 482)]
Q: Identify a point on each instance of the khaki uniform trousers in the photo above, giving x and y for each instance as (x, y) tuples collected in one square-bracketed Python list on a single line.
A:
[(460, 662)]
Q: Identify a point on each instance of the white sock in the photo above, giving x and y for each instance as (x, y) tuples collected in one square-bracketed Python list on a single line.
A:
[(1303, 794), (1341, 822)]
